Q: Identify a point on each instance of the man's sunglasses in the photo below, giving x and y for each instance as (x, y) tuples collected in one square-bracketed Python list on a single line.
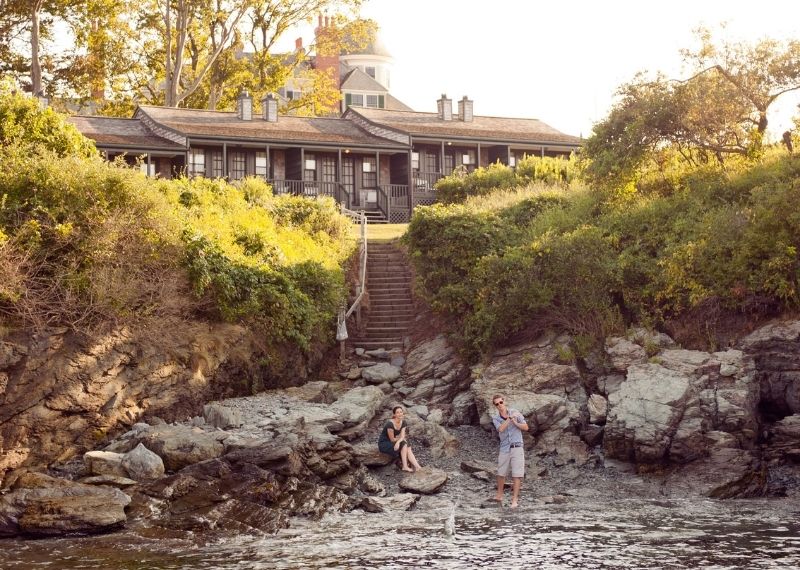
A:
[(498, 402)]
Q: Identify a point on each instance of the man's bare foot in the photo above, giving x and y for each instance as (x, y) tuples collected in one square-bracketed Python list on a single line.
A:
[(514, 504), (408, 469), (497, 499)]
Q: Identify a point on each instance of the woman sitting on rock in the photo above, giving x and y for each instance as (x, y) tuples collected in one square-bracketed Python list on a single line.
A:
[(393, 440)]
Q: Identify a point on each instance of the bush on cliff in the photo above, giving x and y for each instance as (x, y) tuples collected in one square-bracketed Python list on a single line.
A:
[(459, 186), (85, 244), (589, 261)]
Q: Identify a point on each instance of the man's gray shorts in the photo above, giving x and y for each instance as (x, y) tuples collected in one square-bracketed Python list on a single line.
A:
[(513, 461)]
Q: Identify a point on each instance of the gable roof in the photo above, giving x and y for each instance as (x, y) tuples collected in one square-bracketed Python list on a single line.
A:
[(127, 133), (224, 124), (357, 80), (419, 124)]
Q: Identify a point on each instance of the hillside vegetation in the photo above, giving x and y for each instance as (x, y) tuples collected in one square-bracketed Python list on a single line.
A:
[(86, 244), (683, 251)]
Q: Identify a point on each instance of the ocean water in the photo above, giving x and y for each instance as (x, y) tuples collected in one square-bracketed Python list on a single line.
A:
[(585, 534)]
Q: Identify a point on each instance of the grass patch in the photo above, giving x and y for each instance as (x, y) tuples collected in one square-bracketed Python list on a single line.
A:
[(381, 232)]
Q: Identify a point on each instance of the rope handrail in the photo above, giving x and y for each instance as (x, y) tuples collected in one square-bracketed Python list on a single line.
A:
[(361, 287)]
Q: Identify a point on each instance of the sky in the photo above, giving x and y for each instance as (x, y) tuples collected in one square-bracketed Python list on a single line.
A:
[(556, 61)]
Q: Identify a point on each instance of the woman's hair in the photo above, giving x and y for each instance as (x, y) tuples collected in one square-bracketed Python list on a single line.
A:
[(394, 410)]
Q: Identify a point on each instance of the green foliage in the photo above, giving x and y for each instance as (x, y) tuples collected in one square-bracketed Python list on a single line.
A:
[(496, 177), (84, 242), (590, 262), (23, 122)]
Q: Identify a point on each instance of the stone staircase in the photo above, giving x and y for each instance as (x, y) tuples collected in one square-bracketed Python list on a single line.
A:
[(388, 319)]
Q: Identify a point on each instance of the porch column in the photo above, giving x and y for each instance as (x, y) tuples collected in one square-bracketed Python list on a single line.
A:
[(508, 155), (148, 164), (269, 163), (441, 161), (410, 182), (302, 171), (338, 188), (478, 158), (225, 160)]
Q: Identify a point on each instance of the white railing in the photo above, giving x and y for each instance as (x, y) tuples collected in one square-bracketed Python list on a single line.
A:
[(361, 286)]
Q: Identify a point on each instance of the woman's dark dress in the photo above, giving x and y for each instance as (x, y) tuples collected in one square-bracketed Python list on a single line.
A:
[(385, 445)]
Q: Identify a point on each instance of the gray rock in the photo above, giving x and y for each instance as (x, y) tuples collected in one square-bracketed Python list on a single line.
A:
[(435, 416), (463, 410), (40, 506), (622, 353), (142, 464), (379, 353), (179, 446), (398, 361), (221, 416), (104, 463), (425, 481), (367, 454), (359, 351), (111, 480), (318, 392), (475, 465), (598, 408), (400, 502), (420, 410), (358, 405), (381, 372), (386, 388)]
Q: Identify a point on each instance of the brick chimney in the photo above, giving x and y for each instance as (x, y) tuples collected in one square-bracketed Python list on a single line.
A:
[(327, 51), (465, 110), (244, 106), (298, 44), (269, 108), (445, 108)]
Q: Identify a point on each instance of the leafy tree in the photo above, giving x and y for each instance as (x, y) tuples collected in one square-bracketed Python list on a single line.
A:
[(23, 122), (719, 111)]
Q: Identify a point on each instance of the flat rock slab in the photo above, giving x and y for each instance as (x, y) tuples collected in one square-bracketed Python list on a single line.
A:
[(475, 465), (380, 373), (401, 502), (425, 481), (367, 454)]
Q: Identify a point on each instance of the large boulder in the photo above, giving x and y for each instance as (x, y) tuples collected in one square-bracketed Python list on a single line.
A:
[(105, 463), (664, 411), (142, 464), (380, 373), (775, 348), (425, 481), (535, 381), (180, 445), (358, 406), (222, 417), (39, 505), (436, 372)]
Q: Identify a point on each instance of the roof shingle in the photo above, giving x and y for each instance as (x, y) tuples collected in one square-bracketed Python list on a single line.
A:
[(109, 131), (197, 122), (493, 128)]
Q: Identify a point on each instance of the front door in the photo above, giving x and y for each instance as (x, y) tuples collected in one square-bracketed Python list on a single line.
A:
[(369, 183), (349, 176)]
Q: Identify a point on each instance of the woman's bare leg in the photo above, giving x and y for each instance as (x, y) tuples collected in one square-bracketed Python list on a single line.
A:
[(412, 459), (404, 449)]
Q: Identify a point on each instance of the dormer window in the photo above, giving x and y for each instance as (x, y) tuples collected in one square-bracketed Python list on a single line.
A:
[(370, 70), (376, 101)]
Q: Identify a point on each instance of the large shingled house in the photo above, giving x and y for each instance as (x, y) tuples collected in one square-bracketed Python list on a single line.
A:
[(378, 160)]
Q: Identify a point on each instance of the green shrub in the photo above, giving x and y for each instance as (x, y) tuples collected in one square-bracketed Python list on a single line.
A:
[(23, 123)]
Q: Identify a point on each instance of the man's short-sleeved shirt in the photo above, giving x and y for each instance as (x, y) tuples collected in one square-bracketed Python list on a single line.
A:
[(512, 434)]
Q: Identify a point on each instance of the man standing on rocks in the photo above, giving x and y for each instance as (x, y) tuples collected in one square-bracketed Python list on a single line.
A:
[(509, 424)]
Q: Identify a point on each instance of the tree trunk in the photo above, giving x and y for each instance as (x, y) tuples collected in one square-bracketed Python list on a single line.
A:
[(36, 66)]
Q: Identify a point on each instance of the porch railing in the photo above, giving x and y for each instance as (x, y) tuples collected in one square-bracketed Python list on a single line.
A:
[(423, 181), (384, 205), (312, 189)]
